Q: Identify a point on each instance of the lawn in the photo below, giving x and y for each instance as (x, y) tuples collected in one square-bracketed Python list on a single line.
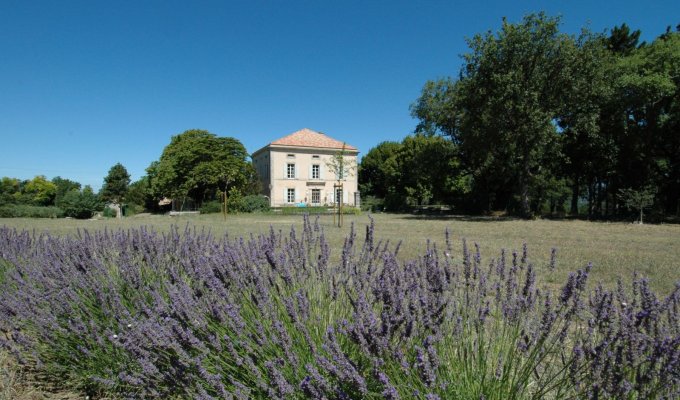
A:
[(616, 250)]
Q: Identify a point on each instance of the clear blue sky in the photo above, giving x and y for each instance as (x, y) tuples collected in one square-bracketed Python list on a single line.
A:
[(87, 84)]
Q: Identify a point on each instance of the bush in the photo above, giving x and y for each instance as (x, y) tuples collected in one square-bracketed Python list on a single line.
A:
[(237, 203), (252, 203), (109, 212), (211, 207), (318, 210), (28, 211), (131, 209), (372, 204)]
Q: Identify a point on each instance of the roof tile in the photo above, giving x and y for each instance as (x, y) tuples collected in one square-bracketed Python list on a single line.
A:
[(309, 138)]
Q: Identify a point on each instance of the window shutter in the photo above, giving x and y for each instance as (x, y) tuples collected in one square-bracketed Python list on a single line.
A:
[(285, 196), (321, 171), (310, 176)]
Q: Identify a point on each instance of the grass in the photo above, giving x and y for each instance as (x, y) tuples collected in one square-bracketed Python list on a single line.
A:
[(616, 250)]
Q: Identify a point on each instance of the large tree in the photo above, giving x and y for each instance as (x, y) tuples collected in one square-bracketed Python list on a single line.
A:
[(197, 163), (504, 107), (116, 184), (40, 191), (422, 169)]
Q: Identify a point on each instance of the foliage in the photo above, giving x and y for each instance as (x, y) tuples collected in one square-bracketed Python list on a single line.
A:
[(211, 207), (251, 203), (639, 200), (9, 190), (135, 313), (197, 163), (29, 211), (341, 166), (536, 111), (80, 204), (378, 168), (116, 184), (41, 191), (316, 210), (237, 204), (140, 194), (64, 186), (420, 170)]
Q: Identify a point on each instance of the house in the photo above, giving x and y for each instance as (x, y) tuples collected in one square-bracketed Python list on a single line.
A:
[(294, 170)]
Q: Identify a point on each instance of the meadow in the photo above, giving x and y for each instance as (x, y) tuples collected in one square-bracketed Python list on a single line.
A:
[(616, 250), (399, 307)]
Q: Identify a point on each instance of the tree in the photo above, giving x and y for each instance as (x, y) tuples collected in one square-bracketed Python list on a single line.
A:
[(197, 164), (341, 166), (622, 40), (64, 186), (637, 199), (10, 189), (377, 169), (116, 184), (422, 169), (140, 193), (503, 108), (80, 204), (115, 187), (40, 191)]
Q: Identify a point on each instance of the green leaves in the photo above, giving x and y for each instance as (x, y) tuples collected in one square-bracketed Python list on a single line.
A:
[(116, 184), (197, 163)]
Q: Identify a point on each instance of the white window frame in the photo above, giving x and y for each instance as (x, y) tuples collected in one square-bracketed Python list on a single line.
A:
[(290, 195), (316, 171), (318, 199), (290, 171)]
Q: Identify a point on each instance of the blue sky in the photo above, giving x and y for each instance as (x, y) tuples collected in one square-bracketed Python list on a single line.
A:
[(87, 84)]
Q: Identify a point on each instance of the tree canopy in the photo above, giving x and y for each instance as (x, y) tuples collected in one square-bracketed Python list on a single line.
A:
[(116, 184), (537, 114), (198, 163)]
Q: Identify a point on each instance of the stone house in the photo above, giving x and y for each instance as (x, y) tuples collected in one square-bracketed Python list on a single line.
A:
[(294, 171)]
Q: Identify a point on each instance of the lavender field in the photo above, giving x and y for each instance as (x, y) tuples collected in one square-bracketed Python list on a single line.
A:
[(140, 312)]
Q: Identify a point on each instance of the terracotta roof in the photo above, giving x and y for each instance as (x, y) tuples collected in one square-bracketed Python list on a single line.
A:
[(309, 138)]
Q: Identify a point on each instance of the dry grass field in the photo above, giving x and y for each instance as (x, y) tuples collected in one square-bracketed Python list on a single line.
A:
[(616, 250)]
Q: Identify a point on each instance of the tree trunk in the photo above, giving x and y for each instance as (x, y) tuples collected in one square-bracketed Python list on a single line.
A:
[(524, 195), (574, 197)]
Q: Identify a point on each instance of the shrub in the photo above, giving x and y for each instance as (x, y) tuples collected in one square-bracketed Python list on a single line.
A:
[(109, 212), (372, 204), (252, 203), (211, 207), (140, 314), (28, 211), (318, 210)]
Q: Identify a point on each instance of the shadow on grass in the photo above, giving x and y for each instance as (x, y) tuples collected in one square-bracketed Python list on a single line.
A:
[(449, 217)]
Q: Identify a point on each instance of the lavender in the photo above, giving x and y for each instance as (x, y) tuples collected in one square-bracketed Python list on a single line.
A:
[(142, 314)]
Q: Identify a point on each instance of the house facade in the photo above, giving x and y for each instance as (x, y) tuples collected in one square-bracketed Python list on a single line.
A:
[(294, 171)]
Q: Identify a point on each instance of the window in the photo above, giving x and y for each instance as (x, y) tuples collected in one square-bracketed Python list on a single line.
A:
[(316, 171), (290, 171), (290, 195), (291, 155), (338, 196), (316, 196), (315, 157)]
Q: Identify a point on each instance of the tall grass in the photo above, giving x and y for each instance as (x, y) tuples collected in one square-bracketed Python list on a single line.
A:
[(184, 314)]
